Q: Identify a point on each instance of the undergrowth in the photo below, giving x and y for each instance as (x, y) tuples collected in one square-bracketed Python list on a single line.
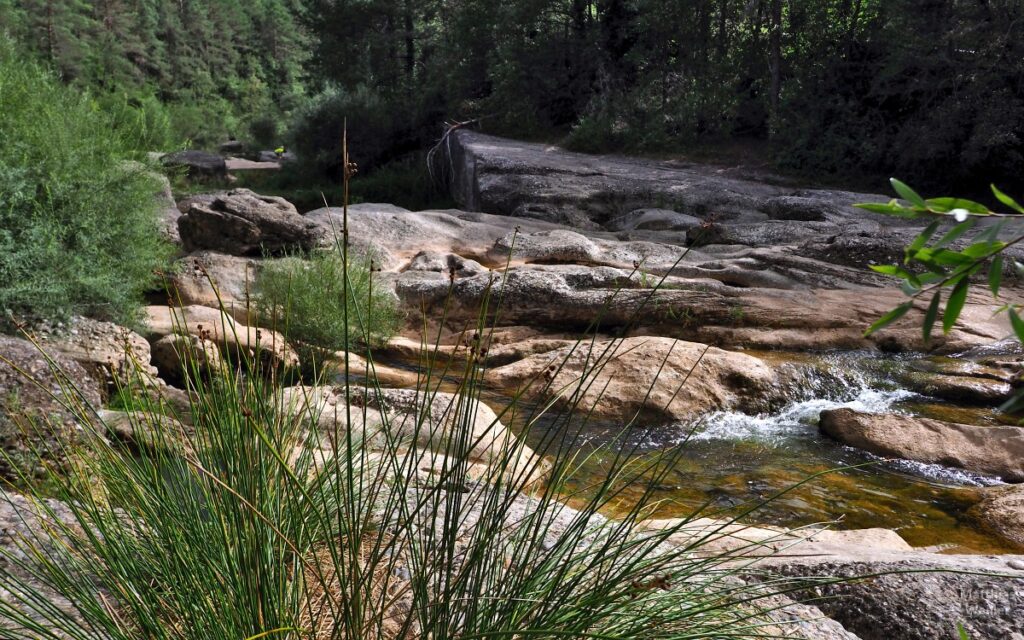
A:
[(306, 299)]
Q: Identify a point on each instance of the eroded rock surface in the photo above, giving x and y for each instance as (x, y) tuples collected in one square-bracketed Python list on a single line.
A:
[(39, 408), (244, 223), (234, 338), (655, 379), (1001, 511), (526, 179)]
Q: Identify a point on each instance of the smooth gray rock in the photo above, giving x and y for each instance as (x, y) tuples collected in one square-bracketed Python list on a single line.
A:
[(997, 451), (534, 180), (917, 597), (653, 220)]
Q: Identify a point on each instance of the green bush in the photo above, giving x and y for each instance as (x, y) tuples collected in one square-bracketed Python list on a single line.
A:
[(78, 223), (306, 300)]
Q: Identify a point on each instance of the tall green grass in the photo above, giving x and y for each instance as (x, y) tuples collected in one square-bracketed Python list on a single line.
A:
[(260, 519)]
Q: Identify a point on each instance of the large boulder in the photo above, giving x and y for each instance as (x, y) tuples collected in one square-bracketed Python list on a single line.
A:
[(879, 595), (197, 164), (412, 420), (42, 397), (509, 177), (234, 338), (1001, 511), (31, 531), (244, 223), (569, 296), (214, 279), (178, 356), (997, 451), (654, 379)]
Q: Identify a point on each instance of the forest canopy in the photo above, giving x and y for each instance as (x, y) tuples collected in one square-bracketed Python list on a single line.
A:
[(931, 90)]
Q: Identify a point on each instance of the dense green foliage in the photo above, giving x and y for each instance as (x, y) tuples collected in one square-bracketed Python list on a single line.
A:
[(933, 91), (213, 69), (78, 220), (310, 303)]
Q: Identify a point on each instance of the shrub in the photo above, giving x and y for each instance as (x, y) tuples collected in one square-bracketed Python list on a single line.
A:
[(308, 301), (78, 223)]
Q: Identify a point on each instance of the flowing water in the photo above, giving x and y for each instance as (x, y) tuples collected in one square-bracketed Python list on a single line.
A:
[(730, 461)]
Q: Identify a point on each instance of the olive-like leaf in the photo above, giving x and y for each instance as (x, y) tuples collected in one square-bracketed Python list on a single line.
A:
[(945, 205), (907, 193), (954, 233), (955, 305), (931, 315), (889, 210), (1017, 324), (1007, 200), (923, 237), (982, 249), (889, 318), (995, 275)]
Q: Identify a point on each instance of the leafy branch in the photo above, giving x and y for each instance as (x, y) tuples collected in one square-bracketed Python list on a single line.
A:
[(929, 267)]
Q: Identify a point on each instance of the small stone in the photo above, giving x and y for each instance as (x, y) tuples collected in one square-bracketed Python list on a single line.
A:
[(1016, 564)]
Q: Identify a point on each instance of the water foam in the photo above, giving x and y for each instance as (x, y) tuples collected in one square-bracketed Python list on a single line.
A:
[(793, 420)]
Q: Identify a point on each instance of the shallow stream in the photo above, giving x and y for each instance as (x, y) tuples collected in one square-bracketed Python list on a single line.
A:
[(730, 461)]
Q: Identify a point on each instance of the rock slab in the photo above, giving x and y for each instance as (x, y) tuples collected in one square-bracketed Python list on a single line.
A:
[(993, 450)]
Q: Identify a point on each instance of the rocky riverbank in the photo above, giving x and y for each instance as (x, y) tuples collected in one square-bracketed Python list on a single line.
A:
[(714, 297)]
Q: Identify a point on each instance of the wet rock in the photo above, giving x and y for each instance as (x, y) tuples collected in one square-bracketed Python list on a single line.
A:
[(653, 379), (40, 409), (967, 389), (197, 164), (1001, 511), (244, 223), (997, 451)]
